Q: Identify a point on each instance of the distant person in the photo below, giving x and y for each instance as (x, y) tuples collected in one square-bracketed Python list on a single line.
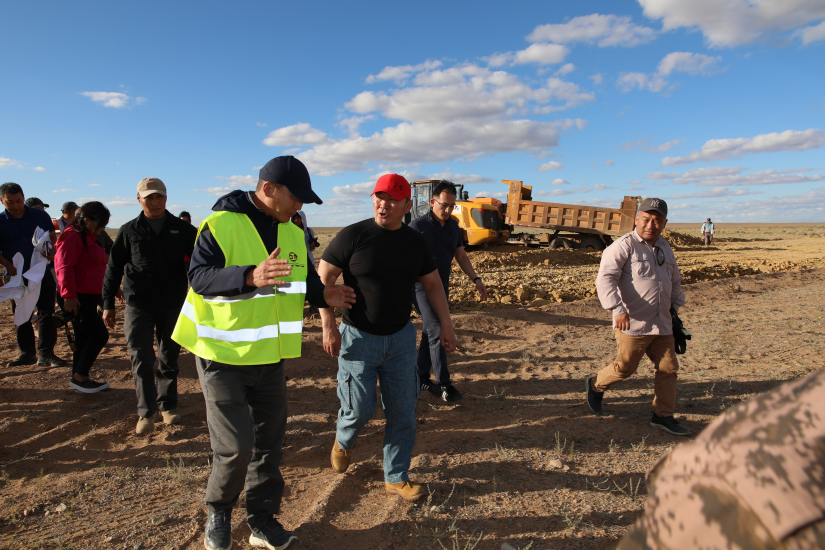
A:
[(300, 219), (708, 229), (752, 479), (34, 202), (67, 215), (80, 263), (444, 235), (185, 216), (640, 283), (381, 258), (17, 226), (149, 257)]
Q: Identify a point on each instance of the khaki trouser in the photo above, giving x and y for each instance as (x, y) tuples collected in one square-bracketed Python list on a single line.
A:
[(661, 350)]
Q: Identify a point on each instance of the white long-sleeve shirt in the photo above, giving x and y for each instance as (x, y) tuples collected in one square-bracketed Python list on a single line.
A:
[(708, 228)]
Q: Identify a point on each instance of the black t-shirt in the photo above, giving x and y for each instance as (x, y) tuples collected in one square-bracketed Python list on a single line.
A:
[(381, 266)]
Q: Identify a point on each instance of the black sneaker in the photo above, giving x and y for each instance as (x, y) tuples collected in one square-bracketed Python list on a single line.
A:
[(88, 386), (23, 359), (49, 359), (272, 535), (593, 397), (427, 385), (448, 393), (218, 532), (668, 424)]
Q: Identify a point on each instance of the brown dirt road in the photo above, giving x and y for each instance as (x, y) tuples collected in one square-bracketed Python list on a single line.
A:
[(520, 459)]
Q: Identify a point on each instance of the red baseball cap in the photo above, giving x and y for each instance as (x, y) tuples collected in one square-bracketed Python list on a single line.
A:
[(395, 185)]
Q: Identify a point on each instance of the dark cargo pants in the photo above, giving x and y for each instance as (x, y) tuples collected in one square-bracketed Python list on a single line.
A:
[(431, 354), (246, 414), (46, 332), (143, 328)]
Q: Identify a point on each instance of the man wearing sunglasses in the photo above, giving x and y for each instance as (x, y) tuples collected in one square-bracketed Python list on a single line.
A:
[(639, 282)]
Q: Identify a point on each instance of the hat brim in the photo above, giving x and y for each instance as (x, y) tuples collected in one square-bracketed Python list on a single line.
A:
[(306, 196), (394, 194), (147, 192)]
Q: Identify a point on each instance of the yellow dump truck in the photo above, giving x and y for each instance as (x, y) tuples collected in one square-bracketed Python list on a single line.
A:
[(480, 220), (566, 225)]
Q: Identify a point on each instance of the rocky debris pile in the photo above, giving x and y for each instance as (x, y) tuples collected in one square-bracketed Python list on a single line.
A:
[(678, 240)]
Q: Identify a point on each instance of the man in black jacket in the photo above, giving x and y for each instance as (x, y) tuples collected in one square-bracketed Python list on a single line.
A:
[(150, 256)]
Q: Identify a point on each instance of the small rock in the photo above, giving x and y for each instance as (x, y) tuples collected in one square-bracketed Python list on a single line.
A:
[(61, 508), (557, 463), (160, 520), (93, 406), (47, 513), (25, 512), (546, 262), (522, 294), (471, 484), (506, 299), (506, 546), (539, 302)]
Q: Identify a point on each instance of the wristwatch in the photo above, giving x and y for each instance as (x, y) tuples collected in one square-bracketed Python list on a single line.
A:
[(477, 279)]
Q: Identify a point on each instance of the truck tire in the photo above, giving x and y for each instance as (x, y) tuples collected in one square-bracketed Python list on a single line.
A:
[(561, 243), (591, 243)]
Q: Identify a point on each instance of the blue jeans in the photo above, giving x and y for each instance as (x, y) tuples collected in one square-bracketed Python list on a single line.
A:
[(365, 357), (431, 354)]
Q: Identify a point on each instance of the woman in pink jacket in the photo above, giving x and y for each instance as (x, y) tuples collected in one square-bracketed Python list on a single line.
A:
[(80, 263)]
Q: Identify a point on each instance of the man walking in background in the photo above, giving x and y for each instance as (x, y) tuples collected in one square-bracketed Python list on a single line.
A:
[(149, 256), (381, 258), (444, 236), (708, 229), (640, 283), (67, 215), (17, 226)]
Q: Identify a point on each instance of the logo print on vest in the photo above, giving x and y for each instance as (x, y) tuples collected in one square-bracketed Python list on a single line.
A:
[(293, 257)]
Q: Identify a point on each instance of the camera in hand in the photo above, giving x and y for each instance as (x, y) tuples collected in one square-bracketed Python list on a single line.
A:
[(315, 242), (61, 318)]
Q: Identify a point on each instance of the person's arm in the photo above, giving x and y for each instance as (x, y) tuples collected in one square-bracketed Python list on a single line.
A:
[(121, 254), (328, 274), (467, 267), (613, 261), (677, 297), (434, 289), (208, 273), (8, 265)]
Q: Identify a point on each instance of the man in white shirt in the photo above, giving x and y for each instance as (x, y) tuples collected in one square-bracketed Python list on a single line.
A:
[(708, 229)]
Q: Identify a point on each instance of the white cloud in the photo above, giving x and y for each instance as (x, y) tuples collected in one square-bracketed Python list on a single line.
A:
[(359, 190), (634, 188), (716, 192), (545, 54), (119, 201), (635, 182), (565, 69), (686, 62), (723, 149), (814, 33), (403, 72), (234, 182), (460, 112), (609, 163), (628, 81), (604, 30), (39, 169), (9, 163), (351, 124), (560, 192), (596, 78), (601, 187), (458, 179), (552, 165), (262, 124), (667, 146), (94, 185), (727, 176), (116, 100), (728, 23), (500, 195), (643, 144), (662, 175), (559, 181), (64, 191)]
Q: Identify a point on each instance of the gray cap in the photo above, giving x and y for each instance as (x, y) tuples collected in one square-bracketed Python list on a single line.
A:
[(69, 206), (651, 204)]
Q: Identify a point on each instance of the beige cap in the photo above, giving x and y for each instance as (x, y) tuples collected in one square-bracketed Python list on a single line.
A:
[(147, 186)]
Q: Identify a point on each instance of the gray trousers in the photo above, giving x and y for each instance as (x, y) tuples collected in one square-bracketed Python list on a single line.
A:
[(144, 327), (246, 414)]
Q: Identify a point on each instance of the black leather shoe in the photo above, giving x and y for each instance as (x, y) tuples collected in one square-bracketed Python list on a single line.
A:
[(272, 535), (23, 359), (49, 359), (668, 424), (593, 397), (218, 532)]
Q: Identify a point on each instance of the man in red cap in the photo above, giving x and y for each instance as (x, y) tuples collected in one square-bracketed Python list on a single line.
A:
[(381, 258)]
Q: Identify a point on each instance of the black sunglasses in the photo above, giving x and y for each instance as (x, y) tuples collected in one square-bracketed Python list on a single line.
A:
[(660, 255)]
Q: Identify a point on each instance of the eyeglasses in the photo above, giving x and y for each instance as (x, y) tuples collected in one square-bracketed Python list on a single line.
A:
[(445, 206), (660, 255)]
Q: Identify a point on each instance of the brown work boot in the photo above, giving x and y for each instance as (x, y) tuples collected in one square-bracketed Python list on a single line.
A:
[(146, 425), (339, 458), (406, 490), (170, 417)]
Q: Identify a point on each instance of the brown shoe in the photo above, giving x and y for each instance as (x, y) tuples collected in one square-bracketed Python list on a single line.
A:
[(145, 425), (339, 458), (406, 490), (170, 417)]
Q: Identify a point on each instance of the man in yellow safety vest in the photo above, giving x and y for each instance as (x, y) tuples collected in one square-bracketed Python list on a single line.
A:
[(243, 316)]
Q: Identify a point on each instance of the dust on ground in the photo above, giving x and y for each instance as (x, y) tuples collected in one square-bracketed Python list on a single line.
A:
[(520, 459)]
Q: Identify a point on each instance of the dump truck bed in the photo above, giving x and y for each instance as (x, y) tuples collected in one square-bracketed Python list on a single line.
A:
[(574, 218)]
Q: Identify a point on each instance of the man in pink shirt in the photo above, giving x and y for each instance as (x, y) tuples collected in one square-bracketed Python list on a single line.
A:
[(640, 283)]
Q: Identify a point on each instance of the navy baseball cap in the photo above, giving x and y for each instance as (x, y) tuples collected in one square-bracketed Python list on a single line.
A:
[(291, 173)]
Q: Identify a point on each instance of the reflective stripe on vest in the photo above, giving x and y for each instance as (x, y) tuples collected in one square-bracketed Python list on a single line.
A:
[(259, 327)]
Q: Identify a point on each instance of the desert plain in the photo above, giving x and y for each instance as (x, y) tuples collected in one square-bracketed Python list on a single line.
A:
[(520, 460)]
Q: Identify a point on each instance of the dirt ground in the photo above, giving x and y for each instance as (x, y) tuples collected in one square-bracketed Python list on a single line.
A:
[(519, 460)]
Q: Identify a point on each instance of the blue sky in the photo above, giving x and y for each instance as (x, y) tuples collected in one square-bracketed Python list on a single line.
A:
[(718, 106)]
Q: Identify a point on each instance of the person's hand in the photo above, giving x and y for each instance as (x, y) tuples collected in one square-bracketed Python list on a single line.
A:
[(339, 296), (332, 340), (481, 290), (447, 339), (51, 254), (11, 269), (109, 317), (119, 296), (70, 304), (266, 274), (621, 321)]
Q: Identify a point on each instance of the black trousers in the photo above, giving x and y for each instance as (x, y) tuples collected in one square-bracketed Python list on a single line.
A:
[(246, 414), (143, 328), (90, 332), (46, 332)]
